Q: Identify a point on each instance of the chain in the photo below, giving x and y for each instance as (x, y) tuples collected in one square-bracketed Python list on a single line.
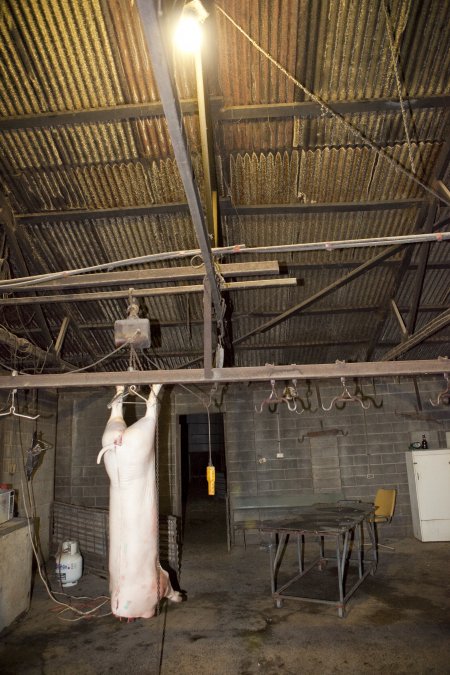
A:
[(158, 564), (325, 108)]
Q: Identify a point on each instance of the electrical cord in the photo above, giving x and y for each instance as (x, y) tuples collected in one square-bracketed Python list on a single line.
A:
[(26, 493)]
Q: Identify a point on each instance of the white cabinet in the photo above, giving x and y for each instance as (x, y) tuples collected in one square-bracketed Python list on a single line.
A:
[(429, 489)]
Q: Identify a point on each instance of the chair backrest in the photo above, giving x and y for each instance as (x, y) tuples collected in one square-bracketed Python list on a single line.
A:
[(385, 503)]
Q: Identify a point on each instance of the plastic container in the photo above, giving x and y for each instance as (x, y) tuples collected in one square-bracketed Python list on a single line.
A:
[(69, 563), (6, 505)]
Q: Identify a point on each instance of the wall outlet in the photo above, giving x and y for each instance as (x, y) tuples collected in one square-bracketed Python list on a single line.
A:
[(280, 455)]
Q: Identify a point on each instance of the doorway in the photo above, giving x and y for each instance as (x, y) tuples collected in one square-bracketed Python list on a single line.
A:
[(202, 514)]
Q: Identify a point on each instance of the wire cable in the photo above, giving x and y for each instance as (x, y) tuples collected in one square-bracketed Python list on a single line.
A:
[(340, 118), (394, 57)]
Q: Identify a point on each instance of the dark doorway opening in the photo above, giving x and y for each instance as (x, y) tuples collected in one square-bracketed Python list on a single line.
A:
[(203, 515)]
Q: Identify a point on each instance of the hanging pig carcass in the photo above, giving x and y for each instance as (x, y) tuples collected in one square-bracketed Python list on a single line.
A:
[(137, 582)]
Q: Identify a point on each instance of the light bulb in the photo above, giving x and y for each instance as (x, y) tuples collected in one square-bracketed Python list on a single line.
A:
[(188, 34)]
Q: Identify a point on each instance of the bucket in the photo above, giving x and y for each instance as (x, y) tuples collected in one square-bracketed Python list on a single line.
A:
[(69, 563)]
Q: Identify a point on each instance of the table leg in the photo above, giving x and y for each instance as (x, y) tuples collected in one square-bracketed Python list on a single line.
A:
[(341, 565), (359, 537)]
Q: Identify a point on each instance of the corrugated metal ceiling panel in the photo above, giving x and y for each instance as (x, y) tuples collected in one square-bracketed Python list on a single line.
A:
[(340, 51), (333, 175)]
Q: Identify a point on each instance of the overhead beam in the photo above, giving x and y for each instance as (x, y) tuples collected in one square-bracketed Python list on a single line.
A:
[(236, 374), (70, 215), (342, 281), (399, 318), (174, 119), (227, 208), (9, 223), (265, 111), (131, 111), (168, 274), (432, 327), (144, 293)]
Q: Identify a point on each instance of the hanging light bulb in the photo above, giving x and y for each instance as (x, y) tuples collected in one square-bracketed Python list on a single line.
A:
[(188, 33)]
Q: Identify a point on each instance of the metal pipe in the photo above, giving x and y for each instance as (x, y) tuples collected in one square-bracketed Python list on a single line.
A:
[(351, 243)]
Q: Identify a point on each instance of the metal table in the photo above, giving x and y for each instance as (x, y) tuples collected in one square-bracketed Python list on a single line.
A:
[(343, 523)]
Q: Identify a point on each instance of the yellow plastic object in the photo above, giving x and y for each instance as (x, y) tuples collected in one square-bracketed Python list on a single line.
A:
[(211, 478)]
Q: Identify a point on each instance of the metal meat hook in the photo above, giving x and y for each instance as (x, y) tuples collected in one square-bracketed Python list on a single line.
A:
[(345, 397), (445, 393), (289, 396), (12, 409)]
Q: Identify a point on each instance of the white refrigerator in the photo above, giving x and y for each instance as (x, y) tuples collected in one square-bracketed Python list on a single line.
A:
[(429, 489)]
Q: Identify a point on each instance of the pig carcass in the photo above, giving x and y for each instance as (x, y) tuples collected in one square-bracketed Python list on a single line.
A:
[(137, 581)]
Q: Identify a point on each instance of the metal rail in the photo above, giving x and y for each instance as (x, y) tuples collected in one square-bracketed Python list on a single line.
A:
[(237, 374)]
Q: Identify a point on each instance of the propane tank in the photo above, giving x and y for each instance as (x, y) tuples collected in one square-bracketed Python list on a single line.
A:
[(69, 563)]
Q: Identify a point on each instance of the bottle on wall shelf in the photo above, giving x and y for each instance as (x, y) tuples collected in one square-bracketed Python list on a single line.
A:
[(424, 443)]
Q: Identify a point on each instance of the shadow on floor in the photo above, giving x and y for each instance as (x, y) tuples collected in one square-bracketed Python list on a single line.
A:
[(398, 621)]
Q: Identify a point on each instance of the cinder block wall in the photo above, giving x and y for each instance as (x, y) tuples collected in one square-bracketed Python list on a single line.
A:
[(82, 416), (365, 449), (16, 436)]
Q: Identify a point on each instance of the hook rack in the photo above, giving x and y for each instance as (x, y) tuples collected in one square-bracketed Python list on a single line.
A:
[(12, 409), (445, 393), (345, 397), (289, 396)]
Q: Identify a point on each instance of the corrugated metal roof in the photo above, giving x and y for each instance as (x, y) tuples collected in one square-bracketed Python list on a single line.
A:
[(328, 175), (338, 50), (72, 56)]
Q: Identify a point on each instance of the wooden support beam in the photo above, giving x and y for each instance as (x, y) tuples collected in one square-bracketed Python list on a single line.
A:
[(431, 328), (62, 335), (137, 277), (144, 293), (398, 316)]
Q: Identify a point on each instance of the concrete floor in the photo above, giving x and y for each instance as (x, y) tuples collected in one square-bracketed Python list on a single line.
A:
[(398, 621)]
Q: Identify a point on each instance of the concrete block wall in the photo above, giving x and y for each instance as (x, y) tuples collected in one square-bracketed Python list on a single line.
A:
[(16, 436), (365, 451), (82, 416)]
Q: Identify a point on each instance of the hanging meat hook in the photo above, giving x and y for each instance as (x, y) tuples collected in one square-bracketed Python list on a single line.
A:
[(445, 393), (345, 397), (289, 396), (12, 409)]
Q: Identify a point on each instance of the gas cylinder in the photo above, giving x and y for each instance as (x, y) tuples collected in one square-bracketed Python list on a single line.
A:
[(69, 563)]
